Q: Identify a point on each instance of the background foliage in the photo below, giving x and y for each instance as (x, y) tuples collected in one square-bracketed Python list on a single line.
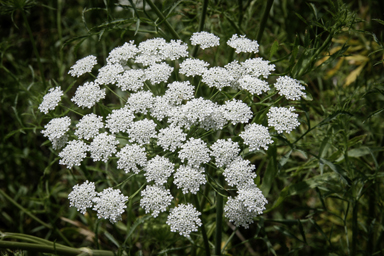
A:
[(323, 181)]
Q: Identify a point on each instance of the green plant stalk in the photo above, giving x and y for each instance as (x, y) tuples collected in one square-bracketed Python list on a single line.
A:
[(60, 250), (219, 219), (201, 25), (264, 20), (25, 210), (314, 56), (203, 231), (354, 228), (160, 14), (34, 46)]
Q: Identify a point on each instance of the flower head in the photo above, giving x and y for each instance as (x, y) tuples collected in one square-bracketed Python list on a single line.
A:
[(193, 67), (120, 120), (56, 128), (253, 85), (131, 156), (150, 51), (237, 213), (257, 67), (131, 80), (289, 87), (109, 73), (282, 119), (237, 111), (123, 53), (217, 77), (140, 102), (174, 50), (252, 198), (189, 178), (73, 153), (239, 172), (81, 196), (158, 72), (256, 136), (155, 199), (243, 44), (51, 100), (110, 204), (142, 131), (88, 94), (179, 91), (195, 151), (103, 146), (88, 126), (205, 39), (224, 151), (184, 219), (82, 66), (171, 138), (159, 169)]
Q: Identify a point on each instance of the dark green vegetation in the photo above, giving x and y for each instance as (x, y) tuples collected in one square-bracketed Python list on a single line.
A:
[(323, 181)]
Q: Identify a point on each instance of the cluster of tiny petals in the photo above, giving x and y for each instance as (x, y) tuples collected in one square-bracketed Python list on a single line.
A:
[(51, 100), (252, 198), (184, 219), (161, 108), (119, 120), (140, 102), (131, 156), (155, 199), (110, 204), (158, 72), (174, 50), (142, 131), (88, 94), (236, 212), (217, 77), (256, 136), (224, 151), (179, 91), (171, 138), (253, 85), (73, 153), (189, 179), (193, 67), (81, 196), (123, 53), (205, 39), (257, 67), (289, 87), (88, 126), (243, 44), (158, 169), (282, 119), (236, 111), (131, 80), (82, 66), (195, 151), (56, 128), (236, 70), (239, 172), (149, 51), (103, 146), (109, 73), (214, 120)]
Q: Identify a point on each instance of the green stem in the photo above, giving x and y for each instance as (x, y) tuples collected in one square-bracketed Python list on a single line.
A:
[(354, 228), (264, 20), (60, 250), (25, 210), (203, 231), (201, 25), (34, 46), (219, 219), (160, 14)]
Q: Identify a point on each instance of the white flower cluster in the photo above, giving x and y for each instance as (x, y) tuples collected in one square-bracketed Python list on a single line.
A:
[(249, 203), (282, 119), (243, 44), (172, 130), (88, 95), (289, 87), (51, 100), (184, 219), (256, 136), (109, 203), (82, 66)]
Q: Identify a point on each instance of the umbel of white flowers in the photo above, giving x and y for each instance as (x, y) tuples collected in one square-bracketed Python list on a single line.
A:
[(160, 113)]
